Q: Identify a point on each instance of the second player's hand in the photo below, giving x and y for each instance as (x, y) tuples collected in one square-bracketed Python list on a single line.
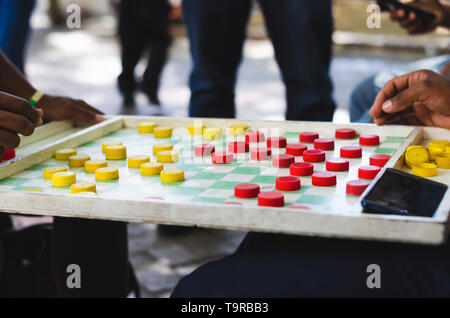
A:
[(425, 92), (61, 108)]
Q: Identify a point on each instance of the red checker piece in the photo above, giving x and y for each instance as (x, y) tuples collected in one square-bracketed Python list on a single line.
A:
[(369, 140), (379, 159), (254, 136), (296, 150), (356, 187), (368, 172), (324, 179), (222, 157), (260, 154), (8, 154), (351, 152), (287, 183), (324, 144), (283, 161), (272, 199), (238, 147), (203, 150), (301, 169), (308, 136), (246, 190), (314, 155), (345, 133), (276, 142), (337, 164)]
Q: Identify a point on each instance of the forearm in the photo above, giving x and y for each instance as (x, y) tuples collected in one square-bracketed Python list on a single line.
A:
[(12, 81)]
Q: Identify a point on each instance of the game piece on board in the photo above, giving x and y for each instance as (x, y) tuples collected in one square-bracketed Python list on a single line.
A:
[(254, 137), (151, 168), (92, 165), (301, 169), (63, 179), (161, 147), (437, 146), (137, 161), (324, 143), (204, 150), (447, 149), (276, 142), (110, 143), (212, 133), (64, 154), (162, 132), (8, 155), (115, 152), (287, 183), (337, 164), (78, 160), (416, 154), (172, 175), (323, 179), (296, 149), (222, 157), (283, 160), (345, 133), (260, 154), (271, 199), (238, 147), (379, 159), (106, 174), (146, 127), (246, 190), (424, 169), (50, 171), (443, 160), (195, 130), (314, 155), (83, 187), (351, 152), (237, 130), (369, 140), (368, 172), (308, 136), (356, 187), (169, 156)]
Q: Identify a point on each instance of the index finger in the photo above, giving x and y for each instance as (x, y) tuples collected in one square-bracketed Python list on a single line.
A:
[(20, 106)]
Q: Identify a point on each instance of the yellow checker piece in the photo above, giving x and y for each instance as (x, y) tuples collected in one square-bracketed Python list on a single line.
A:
[(50, 171), (167, 156), (443, 160), (437, 146), (212, 133), (115, 152), (110, 143), (83, 187), (172, 175), (78, 160), (237, 130), (146, 127), (92, 165), (106, 174), (161, 147), (65, 154), (63, 179), (195, 129), (151, 168), (162, 132), (137, 161), (416, 154), (424, 169)]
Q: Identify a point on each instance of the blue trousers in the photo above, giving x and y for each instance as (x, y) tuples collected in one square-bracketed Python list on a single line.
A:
[(15, 28), (300, 31)]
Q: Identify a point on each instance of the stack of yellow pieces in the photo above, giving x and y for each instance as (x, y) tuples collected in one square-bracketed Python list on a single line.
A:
[(50, 171), (151, 168), (195, 129), (137, 161), (416, 154), (63, 179), (443, 160), (237, 130), (115, 152), (161, 147), (92, 165), (65, 154), (424, 169), (167, 156), (83, 187), (106, 174), (212, 133), (436, 147), (78, 160), (110, 143), (172, 175), (162, 132), (146, 127)]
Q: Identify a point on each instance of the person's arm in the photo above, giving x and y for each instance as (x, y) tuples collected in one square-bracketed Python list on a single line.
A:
[(12, 81), (424, 92)]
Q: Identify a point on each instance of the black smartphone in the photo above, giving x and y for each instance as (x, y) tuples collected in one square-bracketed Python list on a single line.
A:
[(401, 193), (395, 5)]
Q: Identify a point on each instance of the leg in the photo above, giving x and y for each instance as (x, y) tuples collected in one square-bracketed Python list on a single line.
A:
[(216, 34), (301, 34)]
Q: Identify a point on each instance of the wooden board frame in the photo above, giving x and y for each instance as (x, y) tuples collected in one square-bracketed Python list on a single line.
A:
[(348, 224)]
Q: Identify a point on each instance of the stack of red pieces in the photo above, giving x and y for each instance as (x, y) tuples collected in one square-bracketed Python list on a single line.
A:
[(379, 159), (369, 140), (301, 169), (368, 172), (314, 155), (8, 154), (254, 136), (287, 183), (238, 147), (324, 144), (308, 136), (271, 199), (337, 164), (296, 150), (283, 161), (356, 187), (260, 154), (324, 179), (345, 133), (222, 157), (246, 190), (276, 142), (203, 150), (351, 152)]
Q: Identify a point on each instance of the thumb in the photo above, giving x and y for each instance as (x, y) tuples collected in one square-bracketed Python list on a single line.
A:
[(402, 100)]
